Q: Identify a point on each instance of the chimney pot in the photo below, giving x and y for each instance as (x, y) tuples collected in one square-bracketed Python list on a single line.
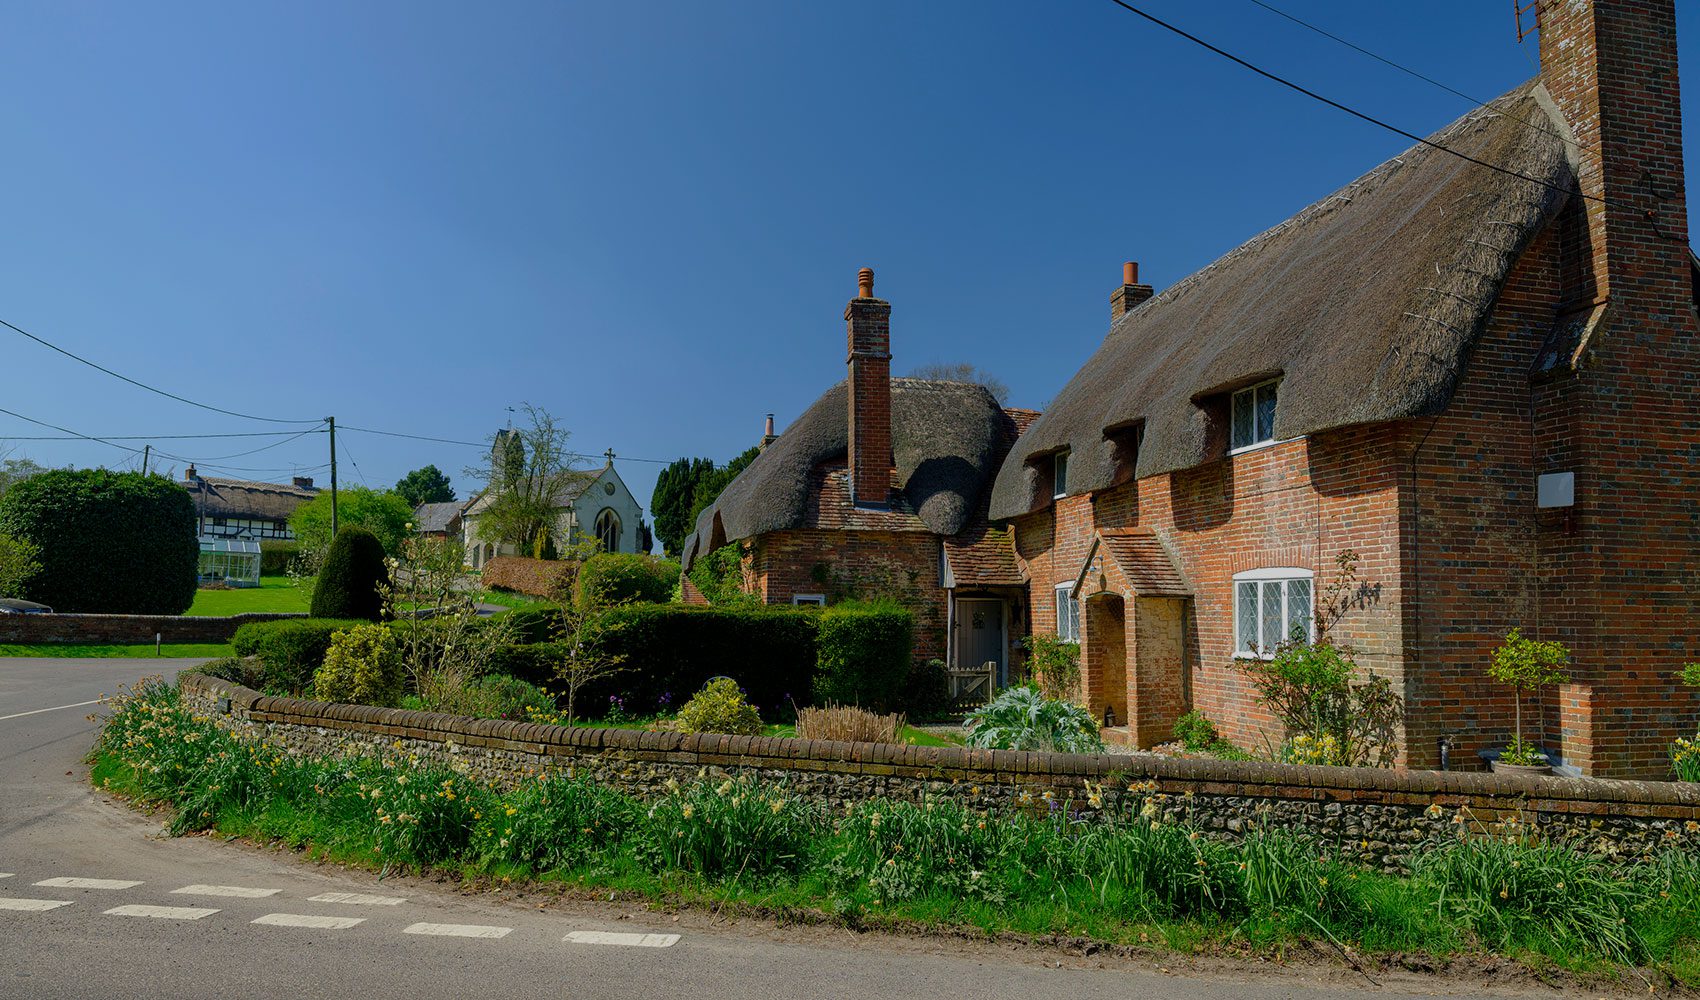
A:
[(1130, 294), (865, 283), (1130, 273), (189, 473), (769, 427)]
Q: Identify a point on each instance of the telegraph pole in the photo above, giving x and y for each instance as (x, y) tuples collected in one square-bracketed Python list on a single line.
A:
[(146, 449), (332, 422)]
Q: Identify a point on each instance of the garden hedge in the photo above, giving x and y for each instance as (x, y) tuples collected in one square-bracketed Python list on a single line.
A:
[(110, 542), (610, 578), (289, 650), (549, 578), (276, 555), (349, 581), (864, 654)]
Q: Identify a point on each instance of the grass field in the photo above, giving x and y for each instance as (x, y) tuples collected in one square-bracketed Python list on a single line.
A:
[(274, 594), (69, 649)]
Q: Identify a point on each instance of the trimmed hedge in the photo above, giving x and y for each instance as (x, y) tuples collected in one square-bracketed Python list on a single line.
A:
[(276, 555), (550, 578), (610, 578), (110, 542), (289, 650), (534, 625), (349, 581), (864, 654)]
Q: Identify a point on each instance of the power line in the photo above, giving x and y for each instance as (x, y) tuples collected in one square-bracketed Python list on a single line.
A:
[(67, 430), (251, 451), (157, 437), (1355, 113), (1408, 71), (112, 441), (486, 444), (143, 385)]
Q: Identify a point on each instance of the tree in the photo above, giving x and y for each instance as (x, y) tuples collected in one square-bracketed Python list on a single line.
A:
[(381, 512), (1526, 664), (674, 496), (354, 578), (16, 470), (532, 473), (710, 487), (17, 564), (109, 542), (427, 485), (963, 372)]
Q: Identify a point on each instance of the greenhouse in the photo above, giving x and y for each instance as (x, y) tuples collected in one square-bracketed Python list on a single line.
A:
[(234, 562)]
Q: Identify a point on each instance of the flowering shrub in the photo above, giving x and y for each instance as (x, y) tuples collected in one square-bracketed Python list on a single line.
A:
[(1309, 687), (720, 708), (362, 667), (1054, 664)]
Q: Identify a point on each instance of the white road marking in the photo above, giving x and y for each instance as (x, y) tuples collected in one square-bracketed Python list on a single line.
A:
[(225, 890), (619, 938), (55, 708), (356, 898), (163, 912), (5, 874), (458, 930), (32, 905), (87, 883), (305, 920)]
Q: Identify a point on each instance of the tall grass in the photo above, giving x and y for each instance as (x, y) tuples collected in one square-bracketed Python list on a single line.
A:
[(1035, 870)]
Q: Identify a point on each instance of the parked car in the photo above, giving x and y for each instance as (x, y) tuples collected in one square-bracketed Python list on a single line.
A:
[(10, 606)]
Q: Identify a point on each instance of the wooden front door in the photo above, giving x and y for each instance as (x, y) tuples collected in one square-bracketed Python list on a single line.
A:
[(980, 636)]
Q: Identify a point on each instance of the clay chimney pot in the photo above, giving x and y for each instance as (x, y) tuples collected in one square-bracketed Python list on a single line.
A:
[(865, 283)]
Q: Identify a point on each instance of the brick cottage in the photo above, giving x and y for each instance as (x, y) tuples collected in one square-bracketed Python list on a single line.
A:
[(1474, 372)]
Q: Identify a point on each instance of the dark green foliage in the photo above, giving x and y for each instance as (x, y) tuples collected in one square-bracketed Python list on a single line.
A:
[(427, 485), (109, 542), (235, 669), (709, 487), (534, 624), (864, 653), (532, 662), (276, 555), (503, 697), (719, 576), (1195, 731), (610, 578), (674, 496), (926, 691), (671, 650), (290, 649), (349, 581)]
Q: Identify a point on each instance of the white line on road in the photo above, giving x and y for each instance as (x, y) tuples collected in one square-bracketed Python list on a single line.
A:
[(305, 920), (32, 905), (55, 708), (163, 912), (5, 874), (628, 940), (458, 930), (87, 883), (356, 898), (241, 891)]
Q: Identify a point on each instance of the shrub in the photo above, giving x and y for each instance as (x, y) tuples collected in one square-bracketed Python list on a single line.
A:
[(108, 542), (864, 652), (610, 578), (548, 578), (499, 697), (350, 581), (1308, 686), (720, 708), (1022, 718), (289, 650), (1526, 665), (849, 723), (362, 667), (537, 624), (245, 671), (277, 556), (1054, 663), (670, 650), (926, 690), (719, 576), (1195, 732)]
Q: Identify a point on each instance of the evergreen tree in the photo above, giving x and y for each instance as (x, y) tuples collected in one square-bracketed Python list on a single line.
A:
[(427, 485), (349, 580), (675, 493)]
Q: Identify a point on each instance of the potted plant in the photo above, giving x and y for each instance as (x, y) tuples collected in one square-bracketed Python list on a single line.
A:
[(1526, 665)]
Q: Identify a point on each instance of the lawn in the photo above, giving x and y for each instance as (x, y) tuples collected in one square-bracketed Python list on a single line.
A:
[(69, 649), (274, 594)]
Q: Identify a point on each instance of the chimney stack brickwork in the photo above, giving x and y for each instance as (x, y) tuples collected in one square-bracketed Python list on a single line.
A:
[(1130, 294), (868, 327)]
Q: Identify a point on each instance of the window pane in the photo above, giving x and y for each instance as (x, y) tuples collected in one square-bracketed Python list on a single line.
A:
[(1270, 615), (1242, 419), (1060, 479), (1298, 609), (1266, 412), (1245, 624)]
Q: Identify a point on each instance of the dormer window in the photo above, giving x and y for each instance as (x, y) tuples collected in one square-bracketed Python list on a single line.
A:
[(1254, 416), (1059, 475)]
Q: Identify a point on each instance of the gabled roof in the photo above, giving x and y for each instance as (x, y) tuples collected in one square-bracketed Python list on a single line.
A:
[(241, 498), (435, 518), (1364, 303), (1146, 565), (946, 438)]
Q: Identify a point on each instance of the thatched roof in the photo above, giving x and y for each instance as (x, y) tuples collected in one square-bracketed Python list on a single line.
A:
[(1364, 303), (242, 499), (946, 438)]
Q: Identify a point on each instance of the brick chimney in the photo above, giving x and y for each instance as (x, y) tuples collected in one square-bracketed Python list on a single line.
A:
[(303, 482), (1610, 66), (190, 474), (868, 322), (767, 435), (1130, 294)]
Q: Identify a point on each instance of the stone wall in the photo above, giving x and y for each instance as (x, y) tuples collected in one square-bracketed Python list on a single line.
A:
[(1374, 815), (103, 629)]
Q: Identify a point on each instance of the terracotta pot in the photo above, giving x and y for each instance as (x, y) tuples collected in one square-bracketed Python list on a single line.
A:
[(1528, 770)]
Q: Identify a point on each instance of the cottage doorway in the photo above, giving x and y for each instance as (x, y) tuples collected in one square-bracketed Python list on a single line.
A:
[(981, 637), (1103, 667)]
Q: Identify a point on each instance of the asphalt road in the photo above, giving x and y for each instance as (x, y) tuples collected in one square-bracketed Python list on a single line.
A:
[(128, 912)]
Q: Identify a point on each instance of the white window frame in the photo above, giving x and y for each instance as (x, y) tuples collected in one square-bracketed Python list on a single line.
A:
[(818, 600), (1249, 394), (1059, 475), (1068, 622), (1283, 575)]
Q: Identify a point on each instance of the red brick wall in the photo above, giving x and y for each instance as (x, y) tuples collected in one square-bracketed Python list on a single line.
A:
[(856, 564), (868, 328), (127, 629)]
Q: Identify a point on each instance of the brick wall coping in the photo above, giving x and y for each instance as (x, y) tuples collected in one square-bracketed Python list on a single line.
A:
[(1002, 766)]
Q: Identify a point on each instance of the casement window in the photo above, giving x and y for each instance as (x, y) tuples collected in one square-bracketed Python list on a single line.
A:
[(1068, 613), (814, 600), (1059, 475), (1272, 607), (1254, 415)]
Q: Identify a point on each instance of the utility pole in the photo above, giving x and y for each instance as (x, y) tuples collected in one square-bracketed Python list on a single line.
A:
[(146, 449), (332, 422)]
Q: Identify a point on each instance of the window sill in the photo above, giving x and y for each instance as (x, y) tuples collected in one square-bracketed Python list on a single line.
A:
[(1259, 446)]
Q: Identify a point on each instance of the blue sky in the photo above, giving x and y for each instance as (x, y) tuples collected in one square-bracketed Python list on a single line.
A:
[(645, 217)]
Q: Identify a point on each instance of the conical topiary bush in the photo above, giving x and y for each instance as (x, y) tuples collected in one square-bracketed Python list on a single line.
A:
[(348, 582)]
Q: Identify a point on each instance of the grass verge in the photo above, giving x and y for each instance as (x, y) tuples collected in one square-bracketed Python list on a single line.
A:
[(74, 649), (1130, 879), (274, 594)]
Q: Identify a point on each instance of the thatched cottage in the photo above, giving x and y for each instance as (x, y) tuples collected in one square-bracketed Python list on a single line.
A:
[(237, 508), (1479, 377)]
